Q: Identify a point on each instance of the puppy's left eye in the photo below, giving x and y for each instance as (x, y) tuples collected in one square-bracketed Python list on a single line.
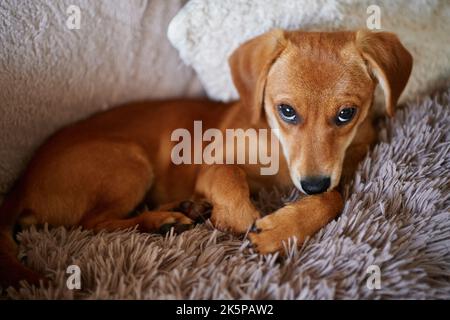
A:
[(287, 113), (345, 115)]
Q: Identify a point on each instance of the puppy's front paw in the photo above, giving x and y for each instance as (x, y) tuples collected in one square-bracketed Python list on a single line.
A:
[(235, 220), (268, 234)]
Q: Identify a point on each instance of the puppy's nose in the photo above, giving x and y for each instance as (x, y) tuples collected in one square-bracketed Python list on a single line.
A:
[(313, 185)]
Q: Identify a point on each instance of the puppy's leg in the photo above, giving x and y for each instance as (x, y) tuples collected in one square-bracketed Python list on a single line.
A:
[(78, 183), (300, 219), (226, 188), (83, 184), (95, 185)]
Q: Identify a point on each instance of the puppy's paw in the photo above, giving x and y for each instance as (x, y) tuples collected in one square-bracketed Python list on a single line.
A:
[(234, 220), (199, 211), (176, 220), (268, 234)]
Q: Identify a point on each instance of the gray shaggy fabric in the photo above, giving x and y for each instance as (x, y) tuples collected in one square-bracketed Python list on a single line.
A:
[(396, 217)]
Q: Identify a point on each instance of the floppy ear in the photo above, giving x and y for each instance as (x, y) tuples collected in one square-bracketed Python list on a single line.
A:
[(389, 62), (250, 63)]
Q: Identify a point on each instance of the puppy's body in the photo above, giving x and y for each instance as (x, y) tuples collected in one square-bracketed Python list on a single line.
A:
[(126, 150), (127, 147), (95, 172)]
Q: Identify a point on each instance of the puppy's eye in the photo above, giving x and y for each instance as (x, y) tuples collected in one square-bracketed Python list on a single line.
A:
[(345, 116), (288, 114)]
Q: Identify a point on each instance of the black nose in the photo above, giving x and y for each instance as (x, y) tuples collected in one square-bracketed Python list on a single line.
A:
[(313, 185)]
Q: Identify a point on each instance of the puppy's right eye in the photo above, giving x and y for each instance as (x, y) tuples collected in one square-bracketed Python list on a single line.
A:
[(288, 114), (345, 115)]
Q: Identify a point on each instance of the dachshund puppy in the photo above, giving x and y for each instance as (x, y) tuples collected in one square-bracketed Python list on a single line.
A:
[(314, 90)]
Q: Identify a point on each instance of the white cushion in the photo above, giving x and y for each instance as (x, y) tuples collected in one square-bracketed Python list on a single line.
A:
[(206, 32)]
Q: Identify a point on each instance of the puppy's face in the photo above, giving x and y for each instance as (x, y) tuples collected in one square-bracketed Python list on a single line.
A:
[(317, 93), (315, 90)]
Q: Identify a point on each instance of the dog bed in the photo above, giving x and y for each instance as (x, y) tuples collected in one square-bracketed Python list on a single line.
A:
[(396, 220)]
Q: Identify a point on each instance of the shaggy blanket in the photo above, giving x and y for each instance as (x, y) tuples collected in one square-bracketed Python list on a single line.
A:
[(396, 217)]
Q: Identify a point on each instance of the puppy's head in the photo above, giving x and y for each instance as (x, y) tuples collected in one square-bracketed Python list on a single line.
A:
[(316, 88)]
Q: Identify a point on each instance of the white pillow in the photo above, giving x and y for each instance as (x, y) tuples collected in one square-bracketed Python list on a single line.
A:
[(206, 32)]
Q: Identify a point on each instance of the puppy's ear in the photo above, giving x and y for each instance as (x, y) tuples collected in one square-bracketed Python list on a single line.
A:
[(250, 63), (389, 61)]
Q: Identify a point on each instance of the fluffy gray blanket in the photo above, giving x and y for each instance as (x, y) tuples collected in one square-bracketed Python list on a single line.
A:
[(395, 228)]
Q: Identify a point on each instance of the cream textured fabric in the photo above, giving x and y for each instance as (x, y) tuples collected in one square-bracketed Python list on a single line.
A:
[(51, 76), (206, 32), (396, 216)]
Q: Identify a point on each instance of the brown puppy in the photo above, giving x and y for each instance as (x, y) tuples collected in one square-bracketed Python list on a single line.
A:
[(316, 89)]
